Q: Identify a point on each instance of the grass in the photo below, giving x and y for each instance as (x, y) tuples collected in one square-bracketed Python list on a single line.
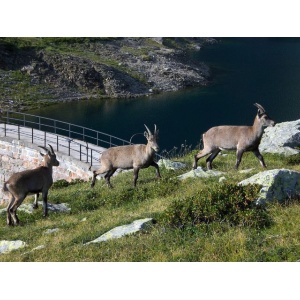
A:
[(95, 211)]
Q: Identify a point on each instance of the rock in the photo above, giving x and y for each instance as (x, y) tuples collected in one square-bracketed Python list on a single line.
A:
[(199, 172), (171, 165), (283, 138), (120, 231), (221, 179), (34, 249), (7, 246), (49, 231), (277, 185), (27, 207)]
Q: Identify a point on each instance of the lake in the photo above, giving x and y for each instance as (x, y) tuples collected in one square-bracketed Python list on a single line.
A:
[(244, 71)]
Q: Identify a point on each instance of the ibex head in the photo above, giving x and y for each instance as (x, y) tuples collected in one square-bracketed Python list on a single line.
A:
[(152, 138), (50, 157), (263, 117)]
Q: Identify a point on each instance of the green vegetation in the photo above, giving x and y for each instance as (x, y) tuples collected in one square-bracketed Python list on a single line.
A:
[(196, 219)]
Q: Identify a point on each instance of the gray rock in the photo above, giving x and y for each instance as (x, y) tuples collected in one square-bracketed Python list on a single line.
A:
[(123, 230), (199, 172), (27, 207), (7, 246), (277, 185), (283, 138), (34, 249), (171, 165), (49, 231)]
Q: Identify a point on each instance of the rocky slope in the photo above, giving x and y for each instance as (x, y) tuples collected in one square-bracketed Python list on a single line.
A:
[(38, 71)]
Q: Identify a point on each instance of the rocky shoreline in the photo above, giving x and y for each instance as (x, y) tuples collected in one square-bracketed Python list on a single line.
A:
[(51, 70)]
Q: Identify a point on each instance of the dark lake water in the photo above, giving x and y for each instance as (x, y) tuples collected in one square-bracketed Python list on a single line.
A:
[(245, 71)]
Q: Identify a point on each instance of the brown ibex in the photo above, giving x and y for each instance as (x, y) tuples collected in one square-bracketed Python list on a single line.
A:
[(134, 157), (239, 138), (33, 181)]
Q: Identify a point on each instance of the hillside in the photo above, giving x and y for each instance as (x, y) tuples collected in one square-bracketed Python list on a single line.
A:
[(42, 71), (180, 233)]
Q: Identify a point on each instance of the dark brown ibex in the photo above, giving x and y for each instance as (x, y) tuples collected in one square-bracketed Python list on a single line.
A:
[(134, 157), (33, 181), (239, 138)]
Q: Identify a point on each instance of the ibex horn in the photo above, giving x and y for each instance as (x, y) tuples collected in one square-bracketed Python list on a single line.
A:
[(262, 110), (149, 132), (52, 151)]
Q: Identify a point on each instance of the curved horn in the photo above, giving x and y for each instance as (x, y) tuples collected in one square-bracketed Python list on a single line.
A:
[(262, 110), (149, 132), (44, 148), (52, 151)]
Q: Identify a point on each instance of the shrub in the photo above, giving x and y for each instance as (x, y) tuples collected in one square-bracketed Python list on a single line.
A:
[(228, 203)]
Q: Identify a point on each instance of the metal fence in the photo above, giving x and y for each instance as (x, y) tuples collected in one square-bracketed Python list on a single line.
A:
[(65, 136)]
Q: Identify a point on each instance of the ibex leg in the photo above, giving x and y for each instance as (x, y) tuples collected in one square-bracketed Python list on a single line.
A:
[(239, 154), (155, 165), (260, 157), (108, 175), (45, 204), (8, 212), (35, 204), (199, 155), (135, 175), (210, 159)]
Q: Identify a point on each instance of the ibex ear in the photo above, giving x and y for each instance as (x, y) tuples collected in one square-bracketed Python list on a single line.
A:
[(42, 154)]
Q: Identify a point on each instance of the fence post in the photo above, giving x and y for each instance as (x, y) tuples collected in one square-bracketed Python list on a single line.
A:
[(69, 147), (45, 138), (69, 130), (87, 152), (80, 152), (18, 132)]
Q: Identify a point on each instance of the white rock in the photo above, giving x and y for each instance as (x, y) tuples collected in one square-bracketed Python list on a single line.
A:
[(171, 165), (282, 138), (49, 231), (199, 172), (277, 184), (7, 246), (120, 231)]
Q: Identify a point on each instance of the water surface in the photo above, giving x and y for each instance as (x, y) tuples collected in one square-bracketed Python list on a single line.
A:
[(245, 71)]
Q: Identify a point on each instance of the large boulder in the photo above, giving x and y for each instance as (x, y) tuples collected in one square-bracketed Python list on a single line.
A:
[(277, 185), (283, 138)]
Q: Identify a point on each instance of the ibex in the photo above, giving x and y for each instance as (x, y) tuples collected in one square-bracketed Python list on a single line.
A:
[(134, 157), (239, 138), (33, 181)]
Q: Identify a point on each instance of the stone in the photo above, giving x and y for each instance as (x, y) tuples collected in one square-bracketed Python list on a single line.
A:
[(27, 207), (49, 231), (171, 165), (277, 185), (199, 172), (283, 138), (7, 246), (123, 230)]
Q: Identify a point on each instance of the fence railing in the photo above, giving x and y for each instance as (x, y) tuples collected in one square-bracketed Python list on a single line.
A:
[(70, 137)]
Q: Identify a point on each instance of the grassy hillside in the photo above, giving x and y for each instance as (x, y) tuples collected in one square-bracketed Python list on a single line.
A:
[(201, 235)]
